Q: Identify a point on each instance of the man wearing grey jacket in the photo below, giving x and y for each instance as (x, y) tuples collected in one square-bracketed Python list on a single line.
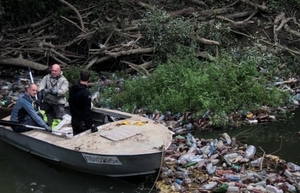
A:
[(54, 87)]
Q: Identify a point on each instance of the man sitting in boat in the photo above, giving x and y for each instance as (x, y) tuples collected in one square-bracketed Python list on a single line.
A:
[(80, 105), (24, 113)]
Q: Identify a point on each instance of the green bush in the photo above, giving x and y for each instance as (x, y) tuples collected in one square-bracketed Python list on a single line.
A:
[(187, 84), (73, 72)]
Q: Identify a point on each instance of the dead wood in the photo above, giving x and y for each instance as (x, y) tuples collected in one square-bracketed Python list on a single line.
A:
[(206, 41), (255, 5), (238, 15), (139, 68), (131, 51), (201, 3), (215, 11), (185, 11), (24, 63), (30, 25), (93, 39), (76, 11)]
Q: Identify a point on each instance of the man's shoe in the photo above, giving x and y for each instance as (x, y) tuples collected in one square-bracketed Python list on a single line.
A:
[(94, 129)]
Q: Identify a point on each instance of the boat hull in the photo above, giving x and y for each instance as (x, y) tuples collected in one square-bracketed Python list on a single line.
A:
[(97, 164), (129, 145)]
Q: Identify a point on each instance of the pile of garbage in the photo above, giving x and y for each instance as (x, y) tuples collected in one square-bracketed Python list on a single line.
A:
[(193, 165)]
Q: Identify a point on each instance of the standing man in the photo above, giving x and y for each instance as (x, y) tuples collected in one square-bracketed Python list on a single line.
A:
[(52, 90), (24, 112), (80, 105)]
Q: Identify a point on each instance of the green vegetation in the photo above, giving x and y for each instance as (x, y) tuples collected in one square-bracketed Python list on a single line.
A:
[(232, 76), (73, 72), (186, 84)]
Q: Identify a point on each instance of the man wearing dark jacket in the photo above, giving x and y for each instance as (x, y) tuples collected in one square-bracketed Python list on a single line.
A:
[(24, 112), (80, 105)]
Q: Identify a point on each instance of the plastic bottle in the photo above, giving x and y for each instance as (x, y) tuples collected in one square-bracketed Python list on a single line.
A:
[(212, 149), (176, 187), (210, 168), (196, 158), (290, 187), (293, 166), (235, 167), (232, 177), (250, 151), (189, 126), (233, 189), (210, 185), (178, 181), (256, 163), (227, 138), (192, 163), (230, 156), (222, 188), (273, 189), (288, 174), (221, 172), (182, 174)]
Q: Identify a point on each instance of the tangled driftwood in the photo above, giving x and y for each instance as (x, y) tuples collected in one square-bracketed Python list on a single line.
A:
[(38, 44)]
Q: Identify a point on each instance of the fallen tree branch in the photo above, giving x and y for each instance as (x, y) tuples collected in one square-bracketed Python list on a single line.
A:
[(260, 7), (23, 62), (277, 19), (201, 3), (294, 32), (139, 68), (30, 25), (72, 23), (144, 5), (102, 59), (91, 62), (76, 11), (269, 43), (207, 41), (63, 64), (132, 51), (60, 55)]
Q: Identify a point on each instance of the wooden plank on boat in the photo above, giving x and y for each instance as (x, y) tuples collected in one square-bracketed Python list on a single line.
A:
[(119, 133)]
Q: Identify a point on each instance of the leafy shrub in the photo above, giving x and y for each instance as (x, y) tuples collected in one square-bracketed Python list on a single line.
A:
[(73, 72), (187, 84)]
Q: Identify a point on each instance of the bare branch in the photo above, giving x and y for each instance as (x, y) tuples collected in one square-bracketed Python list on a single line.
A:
[(76, 11), (133, 51), (30, 25), (23, 62)]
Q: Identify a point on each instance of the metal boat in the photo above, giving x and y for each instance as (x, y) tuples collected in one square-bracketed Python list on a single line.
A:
[(125, 144)]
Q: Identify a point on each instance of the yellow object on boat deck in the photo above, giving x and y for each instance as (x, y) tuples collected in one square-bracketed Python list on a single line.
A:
[(124, 123), (140, 123)]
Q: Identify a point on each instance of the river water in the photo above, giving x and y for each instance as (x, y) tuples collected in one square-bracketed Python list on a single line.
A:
[(278, 138), (23, 173)]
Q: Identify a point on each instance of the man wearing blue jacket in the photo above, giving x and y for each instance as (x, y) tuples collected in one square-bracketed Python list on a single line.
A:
[(24, 112)]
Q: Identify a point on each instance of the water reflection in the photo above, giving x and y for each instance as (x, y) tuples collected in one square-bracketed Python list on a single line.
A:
[(279, 138)]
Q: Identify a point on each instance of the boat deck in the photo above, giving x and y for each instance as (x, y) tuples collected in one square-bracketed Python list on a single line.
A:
[(131, 136)]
